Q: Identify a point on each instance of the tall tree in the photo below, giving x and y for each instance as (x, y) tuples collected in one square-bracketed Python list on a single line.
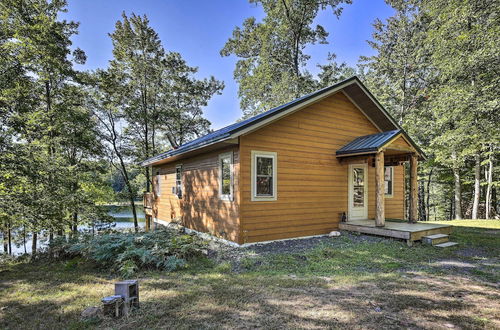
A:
[(42, 116), (137, 58), (104, 100), (271, 69), (400, 66), (159, 92), (333, 72), (463, 37), (398, 75), (183, 99)]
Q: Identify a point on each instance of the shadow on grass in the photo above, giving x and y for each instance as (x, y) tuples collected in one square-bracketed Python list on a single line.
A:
[(348, 282), (245, 301), (249, 302)]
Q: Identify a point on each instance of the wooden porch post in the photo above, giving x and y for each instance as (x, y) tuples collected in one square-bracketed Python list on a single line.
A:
[(379, 190), (413, 188)]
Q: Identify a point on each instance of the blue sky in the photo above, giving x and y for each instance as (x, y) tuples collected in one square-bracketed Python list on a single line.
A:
[(198, 29)]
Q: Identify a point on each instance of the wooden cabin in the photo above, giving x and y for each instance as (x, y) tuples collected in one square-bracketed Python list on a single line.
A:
[(296, 170)]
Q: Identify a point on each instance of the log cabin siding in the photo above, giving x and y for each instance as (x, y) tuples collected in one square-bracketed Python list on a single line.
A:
[(312, 183), (200, 208)]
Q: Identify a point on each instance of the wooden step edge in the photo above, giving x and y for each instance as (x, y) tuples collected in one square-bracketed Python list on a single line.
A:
[(447, 244), (435, 241), (435, 236)]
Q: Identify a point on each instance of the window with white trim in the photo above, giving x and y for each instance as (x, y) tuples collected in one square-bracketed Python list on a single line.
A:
[(389, 180), (264, 176), (178, 181), (226, 176), (157, 184)]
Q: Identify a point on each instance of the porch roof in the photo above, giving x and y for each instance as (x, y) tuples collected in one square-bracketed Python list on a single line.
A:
[(368, 143)]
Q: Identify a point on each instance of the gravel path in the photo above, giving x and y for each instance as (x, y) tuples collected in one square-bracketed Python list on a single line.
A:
[(234, 254)]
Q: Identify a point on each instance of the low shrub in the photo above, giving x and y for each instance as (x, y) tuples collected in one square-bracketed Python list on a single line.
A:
[(127, 253)]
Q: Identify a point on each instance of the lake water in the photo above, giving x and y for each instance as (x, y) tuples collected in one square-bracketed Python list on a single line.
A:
[(123, 216), (123, 219)]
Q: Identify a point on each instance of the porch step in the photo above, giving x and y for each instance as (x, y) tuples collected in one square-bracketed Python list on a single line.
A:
[(435, 239), (447, 244)]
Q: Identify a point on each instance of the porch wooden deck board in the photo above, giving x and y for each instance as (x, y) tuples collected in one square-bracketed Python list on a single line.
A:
[(402, 230)]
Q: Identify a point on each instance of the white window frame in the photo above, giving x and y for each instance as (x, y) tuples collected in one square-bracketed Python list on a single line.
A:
[(392, 182), (158, 184), (182, 182), (274, 157), (226, 197)]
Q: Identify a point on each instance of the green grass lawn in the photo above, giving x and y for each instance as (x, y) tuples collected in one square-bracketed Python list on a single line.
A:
[(489, 224), (347, 282)]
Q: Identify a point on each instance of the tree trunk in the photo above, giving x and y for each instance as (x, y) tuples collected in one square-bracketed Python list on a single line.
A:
[(494, 200), (33, 246), (24, 239), (422, 216), (477, 185), (74, 227), (490, 184), (5, 245), (452, 202), (428, 202), (9, 232), (379, 190), (458, 194), (123, 171), (413, 188), (131, 198), (134, 212)]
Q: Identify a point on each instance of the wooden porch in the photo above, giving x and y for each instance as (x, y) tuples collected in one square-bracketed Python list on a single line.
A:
[(410, 232)]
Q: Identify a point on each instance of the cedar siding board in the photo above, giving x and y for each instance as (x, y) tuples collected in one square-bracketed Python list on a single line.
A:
[(311, 181), (200, 208)]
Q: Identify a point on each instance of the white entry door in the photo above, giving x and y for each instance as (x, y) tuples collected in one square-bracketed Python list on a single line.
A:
[(358, 192)]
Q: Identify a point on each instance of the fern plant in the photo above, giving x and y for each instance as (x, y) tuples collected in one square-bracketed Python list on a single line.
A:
[(127, 253)]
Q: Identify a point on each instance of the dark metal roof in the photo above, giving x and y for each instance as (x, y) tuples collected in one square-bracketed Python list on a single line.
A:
[(352, 87), (368, 143), (225, 132)]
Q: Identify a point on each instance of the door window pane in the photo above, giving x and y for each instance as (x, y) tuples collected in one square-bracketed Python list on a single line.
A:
[(359, 196), (358, 177)]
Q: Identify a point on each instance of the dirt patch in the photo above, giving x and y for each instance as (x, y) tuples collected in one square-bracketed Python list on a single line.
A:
[(453, 264), (472, 252)]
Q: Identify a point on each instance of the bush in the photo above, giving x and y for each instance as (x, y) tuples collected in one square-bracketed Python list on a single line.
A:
[(127, 253)]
